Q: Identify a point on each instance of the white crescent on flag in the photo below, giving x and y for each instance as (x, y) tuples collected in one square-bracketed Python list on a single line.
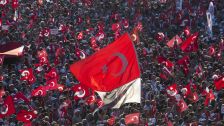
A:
[(39, 92), (25, 73), (28, 117), (81, 93), (6, 109), (3, 2)]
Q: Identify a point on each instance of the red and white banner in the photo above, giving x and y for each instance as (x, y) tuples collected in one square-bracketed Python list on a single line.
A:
[(113, 72)]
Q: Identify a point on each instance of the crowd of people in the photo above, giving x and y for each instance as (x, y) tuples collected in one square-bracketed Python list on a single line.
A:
[(87, 26)]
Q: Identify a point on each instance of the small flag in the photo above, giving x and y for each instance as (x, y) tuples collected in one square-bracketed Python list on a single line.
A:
[(219, 83), (187, 31), (8, 107), (26, 116), (132, 119), (52, 84), (182, 105), (80, 91), (176, 39), (51, 74), (40, 91), (172, 90), (190, 41), (165, 61), (20, 95), (27, 75), (186, 91)]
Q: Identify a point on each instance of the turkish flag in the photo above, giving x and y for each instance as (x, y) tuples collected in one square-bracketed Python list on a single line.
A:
[(109, 68), (80, 91), (184, 62), (190, 41), (219, 83), (187, 31), (20, 95), (27, 74), (194, 97), (176, 39), (132, 118), (167, 62), (135, 36), (52, 84), (7, 108), (186, 91), (80, 53), (172, 90), (26, 116), (182, 105), (211, 50), (168, 122), (43, 56), (1, 59), (209, 97), (40, 91), (51, 74), (115, 27)]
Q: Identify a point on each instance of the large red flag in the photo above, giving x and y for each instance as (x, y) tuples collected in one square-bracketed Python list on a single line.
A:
[(109, 68), (112, 72), (7, 108), (189, 41), (132, 119)]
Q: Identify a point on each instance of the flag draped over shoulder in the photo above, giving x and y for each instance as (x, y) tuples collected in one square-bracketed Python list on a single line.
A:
[(113, 72)]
